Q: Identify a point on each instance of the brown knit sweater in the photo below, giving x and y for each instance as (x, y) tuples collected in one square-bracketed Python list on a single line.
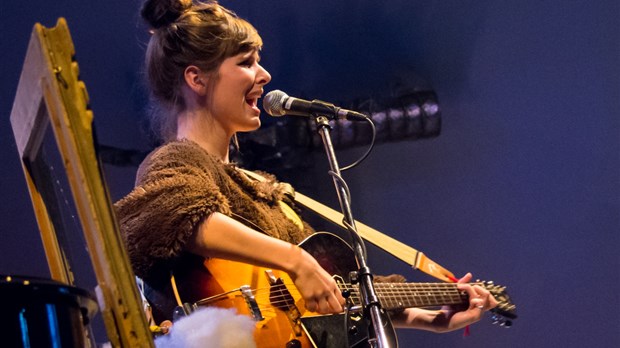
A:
[(178, 185)]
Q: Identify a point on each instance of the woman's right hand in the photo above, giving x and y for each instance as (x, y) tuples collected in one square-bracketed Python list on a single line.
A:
[(222, 237), (317, 287)]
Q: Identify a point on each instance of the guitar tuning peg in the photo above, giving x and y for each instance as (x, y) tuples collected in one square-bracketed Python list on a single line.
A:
[(501, 321), (488, 284)]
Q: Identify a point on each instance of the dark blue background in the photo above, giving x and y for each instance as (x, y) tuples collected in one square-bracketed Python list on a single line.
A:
[(522, 186)]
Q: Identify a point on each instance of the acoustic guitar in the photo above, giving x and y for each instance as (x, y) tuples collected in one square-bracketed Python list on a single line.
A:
[(272, 300)]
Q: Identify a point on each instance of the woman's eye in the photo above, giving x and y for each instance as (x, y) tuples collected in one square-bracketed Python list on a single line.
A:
[(247, 63)]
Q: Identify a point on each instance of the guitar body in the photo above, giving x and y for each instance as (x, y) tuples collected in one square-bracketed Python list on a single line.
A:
[(271, 298), (275, 327), (283, 318)]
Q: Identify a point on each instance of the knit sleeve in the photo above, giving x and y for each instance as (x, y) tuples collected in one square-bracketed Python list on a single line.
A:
[(176, 190)]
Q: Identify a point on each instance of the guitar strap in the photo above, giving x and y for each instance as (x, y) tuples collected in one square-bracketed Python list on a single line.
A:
[(407, 254)]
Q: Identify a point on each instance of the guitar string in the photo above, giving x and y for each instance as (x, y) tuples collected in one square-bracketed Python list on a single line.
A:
[(389, 293), (417, 300), (271, 304), (396, 290), (416, 294), (421, 289), (388, 302), (270, 309)]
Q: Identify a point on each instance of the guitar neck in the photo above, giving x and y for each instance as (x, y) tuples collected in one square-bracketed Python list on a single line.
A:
[(405, 295)]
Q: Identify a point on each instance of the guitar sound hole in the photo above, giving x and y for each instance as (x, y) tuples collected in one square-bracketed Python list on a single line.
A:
[(280, 297)]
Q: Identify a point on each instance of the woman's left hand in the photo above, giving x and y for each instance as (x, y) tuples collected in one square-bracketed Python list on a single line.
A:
[(480, 301), (449, 318)]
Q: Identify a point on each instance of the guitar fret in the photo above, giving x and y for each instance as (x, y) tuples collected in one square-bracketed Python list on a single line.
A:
[(404, 295), (387, 298)]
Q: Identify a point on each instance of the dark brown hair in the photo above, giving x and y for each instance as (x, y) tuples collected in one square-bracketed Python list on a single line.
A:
[(186, 33)]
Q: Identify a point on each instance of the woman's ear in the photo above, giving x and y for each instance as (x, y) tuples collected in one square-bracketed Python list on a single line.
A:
[(195, 79)]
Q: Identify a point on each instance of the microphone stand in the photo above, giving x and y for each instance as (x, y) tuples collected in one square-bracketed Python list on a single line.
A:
[(380, 322)]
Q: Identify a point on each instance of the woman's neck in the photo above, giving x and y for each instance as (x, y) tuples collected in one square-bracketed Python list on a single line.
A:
[(203, 131)]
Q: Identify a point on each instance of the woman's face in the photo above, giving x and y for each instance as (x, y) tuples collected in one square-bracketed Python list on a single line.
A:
[(239, 84)]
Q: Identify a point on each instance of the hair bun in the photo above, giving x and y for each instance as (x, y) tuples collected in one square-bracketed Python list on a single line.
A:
[(159, 13)]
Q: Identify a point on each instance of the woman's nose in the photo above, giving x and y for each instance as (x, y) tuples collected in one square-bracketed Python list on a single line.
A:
[(263, 77)]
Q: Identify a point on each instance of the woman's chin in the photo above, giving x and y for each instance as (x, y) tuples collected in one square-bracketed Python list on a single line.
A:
[(250, 126)]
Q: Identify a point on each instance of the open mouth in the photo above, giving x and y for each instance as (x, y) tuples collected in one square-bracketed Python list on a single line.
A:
[(253, 103)]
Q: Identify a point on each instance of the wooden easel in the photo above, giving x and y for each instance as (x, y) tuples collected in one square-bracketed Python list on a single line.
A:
[(50, 94)]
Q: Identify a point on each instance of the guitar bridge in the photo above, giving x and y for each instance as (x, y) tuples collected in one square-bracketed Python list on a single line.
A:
[(250, 300)]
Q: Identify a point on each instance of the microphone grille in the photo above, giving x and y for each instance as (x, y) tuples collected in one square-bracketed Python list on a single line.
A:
[(273, 101)]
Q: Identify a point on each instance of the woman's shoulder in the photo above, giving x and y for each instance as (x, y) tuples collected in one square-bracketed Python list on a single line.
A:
[(177, 148), (179, 152), (177, 155)]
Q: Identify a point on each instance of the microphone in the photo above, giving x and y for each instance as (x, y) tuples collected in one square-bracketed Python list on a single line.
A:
[(277, 103)]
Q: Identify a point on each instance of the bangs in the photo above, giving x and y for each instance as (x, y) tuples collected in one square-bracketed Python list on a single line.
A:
[(243, 37), (235, 34)]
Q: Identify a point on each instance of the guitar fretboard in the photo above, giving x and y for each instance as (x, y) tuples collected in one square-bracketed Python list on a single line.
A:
[(405, 295)]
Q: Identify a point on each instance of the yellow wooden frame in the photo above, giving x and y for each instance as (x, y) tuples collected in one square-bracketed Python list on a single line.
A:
[(50, 93)]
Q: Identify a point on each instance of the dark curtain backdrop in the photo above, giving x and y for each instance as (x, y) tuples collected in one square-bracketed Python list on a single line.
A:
[(521, 187)]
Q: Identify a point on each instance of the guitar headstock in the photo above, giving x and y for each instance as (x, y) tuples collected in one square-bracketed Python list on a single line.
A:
[(505, 311)]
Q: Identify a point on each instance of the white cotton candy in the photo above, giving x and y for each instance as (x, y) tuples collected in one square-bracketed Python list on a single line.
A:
[(210, 327)]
